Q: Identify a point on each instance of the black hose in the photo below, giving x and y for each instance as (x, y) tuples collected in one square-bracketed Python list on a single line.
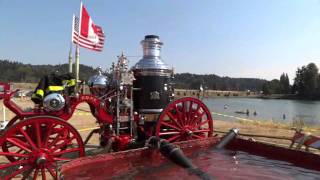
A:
[(176, 155)]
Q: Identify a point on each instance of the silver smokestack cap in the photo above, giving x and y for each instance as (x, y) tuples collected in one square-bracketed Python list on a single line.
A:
[(151, 54)]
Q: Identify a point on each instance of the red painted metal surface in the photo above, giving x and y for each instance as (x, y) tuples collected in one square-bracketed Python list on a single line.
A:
[(120, 164), (65, 114), (299, 158), (37, 143), (94, 102), (185, 119), (3, 87)]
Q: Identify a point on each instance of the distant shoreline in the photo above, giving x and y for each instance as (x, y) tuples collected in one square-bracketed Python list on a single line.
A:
[(214, 93), (238, 94), (207, 93)]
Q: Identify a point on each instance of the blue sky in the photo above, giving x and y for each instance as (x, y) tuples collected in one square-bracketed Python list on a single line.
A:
[(236, 38)]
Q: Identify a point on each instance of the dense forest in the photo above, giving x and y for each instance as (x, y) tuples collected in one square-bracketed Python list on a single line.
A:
[(18, 72), (306, 84), (214, 82)]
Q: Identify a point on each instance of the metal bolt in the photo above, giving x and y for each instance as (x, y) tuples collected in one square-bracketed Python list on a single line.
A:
[(41, 160), (189, 132)]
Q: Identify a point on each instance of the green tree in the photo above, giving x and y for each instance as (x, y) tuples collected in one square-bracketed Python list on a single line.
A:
[(275, 87), (284, 84), (306, 81), (266, 88)]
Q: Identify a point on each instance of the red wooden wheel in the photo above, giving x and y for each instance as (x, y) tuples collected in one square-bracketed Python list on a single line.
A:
[(185, 119), (13, 121), (34, 146)]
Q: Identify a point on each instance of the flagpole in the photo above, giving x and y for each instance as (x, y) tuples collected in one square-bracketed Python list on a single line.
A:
[(77, 62), (70, 59), (71, 44), (77, 56)]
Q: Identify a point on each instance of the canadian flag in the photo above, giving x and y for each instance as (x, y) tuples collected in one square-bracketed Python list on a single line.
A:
[(86, 33), (87, 27)]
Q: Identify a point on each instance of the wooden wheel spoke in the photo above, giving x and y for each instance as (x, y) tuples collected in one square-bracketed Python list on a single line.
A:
[(179, 115), (27, 173), (184, 107), (46, 138), (65, 151), (201, 124), (43, 173), (197, 136), (19, 151), (201, 131), (57, 138), (51, 171), (173, 138), (35, 174), (54, 141), (15, 173), (189, 112), (198, 107), (61, 159), (169, 133), (66, 142), (38, 133), (29, 140), (19, 143), (10, 164), (197, 119), (173, 119), (176, 108), (194, 113), (190, 106), (171, 125), (13, 154)]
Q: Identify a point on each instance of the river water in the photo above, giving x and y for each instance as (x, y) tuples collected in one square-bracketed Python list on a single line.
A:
[(266, 109)]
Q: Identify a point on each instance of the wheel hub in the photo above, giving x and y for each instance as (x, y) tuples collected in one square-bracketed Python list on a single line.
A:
[(186, 131), (41, 160)]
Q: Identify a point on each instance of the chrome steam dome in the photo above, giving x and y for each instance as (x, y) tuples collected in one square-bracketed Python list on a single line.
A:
[(99, 80), (151, 54)]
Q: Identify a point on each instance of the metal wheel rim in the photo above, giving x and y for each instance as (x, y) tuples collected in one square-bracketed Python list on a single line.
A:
[(185, 119), (37, 144)]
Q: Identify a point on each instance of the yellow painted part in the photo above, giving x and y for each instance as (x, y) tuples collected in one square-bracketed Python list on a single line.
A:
[(71, 82), (40, 92), (55, 88)]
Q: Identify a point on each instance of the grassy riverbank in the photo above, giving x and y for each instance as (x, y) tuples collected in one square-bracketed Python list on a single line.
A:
[(266, 128)]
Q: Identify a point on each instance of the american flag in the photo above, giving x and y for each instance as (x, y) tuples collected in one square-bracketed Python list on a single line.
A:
[(77, 38)]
